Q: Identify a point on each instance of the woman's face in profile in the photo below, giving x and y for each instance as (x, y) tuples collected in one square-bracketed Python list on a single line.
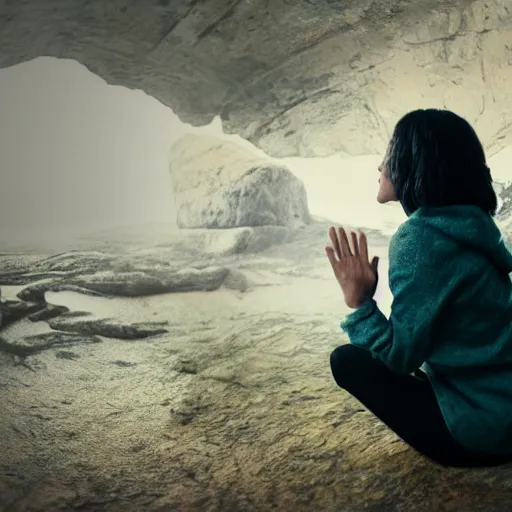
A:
[(386, 191)]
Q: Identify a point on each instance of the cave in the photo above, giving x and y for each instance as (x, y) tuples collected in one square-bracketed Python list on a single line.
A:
[(185, 366)]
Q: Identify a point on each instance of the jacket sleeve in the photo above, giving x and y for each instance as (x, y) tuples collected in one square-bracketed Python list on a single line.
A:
[(403, 342)]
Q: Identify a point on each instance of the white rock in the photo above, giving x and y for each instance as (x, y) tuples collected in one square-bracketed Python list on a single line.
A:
[(218, 184)]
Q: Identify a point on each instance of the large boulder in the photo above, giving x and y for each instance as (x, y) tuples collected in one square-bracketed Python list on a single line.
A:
[(219, 184)]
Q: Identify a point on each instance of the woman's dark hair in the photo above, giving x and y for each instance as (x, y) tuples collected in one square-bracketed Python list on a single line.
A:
[(436, 159)]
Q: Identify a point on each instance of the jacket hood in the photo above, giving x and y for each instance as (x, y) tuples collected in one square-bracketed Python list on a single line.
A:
[(472, 228)]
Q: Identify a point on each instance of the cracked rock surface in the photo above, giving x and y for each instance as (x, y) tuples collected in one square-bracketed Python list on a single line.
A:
[(295, 78)]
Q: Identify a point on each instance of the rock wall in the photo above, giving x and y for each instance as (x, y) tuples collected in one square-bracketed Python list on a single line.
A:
[(295, 78), (506, 197)]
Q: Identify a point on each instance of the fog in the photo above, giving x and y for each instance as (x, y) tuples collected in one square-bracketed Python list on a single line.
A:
[(78, 155)]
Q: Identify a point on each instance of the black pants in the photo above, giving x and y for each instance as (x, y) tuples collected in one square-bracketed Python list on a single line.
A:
[(406, 404)]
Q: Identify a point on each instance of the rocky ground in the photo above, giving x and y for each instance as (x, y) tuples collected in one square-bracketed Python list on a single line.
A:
[(143, 374)]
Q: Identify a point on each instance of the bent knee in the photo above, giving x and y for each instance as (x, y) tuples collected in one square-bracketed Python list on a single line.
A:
[(344, 354), (346, 362)]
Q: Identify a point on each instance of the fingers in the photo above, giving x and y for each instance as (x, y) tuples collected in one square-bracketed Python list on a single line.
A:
[(355, 243), (341, 246), (335, 242), (363, 246), (331, 254), (344, 246), (375, 263)]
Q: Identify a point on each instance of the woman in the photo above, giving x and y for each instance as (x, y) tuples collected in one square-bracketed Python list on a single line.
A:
[(452, 300)]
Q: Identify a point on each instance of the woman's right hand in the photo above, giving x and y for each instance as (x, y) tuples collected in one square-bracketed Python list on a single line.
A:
[(357, 276)]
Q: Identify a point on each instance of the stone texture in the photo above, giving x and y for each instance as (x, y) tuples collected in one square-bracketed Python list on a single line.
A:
[(36, 293), (506, 196), (63, 265), (506, 228), (132, 284), (30, 345), (108, 328), (504, 216), (50, 311), (234, 409), (295, 78), (224, 242), (219, 184), (13, 310)]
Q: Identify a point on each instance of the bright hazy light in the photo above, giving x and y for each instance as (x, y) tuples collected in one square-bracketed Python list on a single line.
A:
[(79, 155)]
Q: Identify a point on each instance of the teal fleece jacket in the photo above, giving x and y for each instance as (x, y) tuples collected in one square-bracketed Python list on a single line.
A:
[(451, 314)]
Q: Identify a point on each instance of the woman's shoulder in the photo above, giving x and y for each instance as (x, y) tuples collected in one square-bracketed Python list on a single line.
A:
[(418, 241), (412, 231), (426, 224)]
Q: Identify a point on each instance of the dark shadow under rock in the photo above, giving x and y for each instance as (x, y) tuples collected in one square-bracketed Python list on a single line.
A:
[(30, 345), (75, 314), (13, 310), (36, 293), (50, 311), (124, 364), (109, 328), (236, 280), (66, 354), (124, 284)]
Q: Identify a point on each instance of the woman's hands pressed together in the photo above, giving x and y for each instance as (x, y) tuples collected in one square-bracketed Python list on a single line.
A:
[(354, 272)]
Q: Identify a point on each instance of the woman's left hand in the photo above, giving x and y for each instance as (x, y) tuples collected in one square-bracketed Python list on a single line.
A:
[(354, 272)]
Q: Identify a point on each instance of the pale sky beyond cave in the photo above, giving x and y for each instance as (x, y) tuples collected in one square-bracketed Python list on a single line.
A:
[(78, 155)]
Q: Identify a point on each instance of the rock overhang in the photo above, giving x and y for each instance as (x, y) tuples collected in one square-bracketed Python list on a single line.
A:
[(303, 79)]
